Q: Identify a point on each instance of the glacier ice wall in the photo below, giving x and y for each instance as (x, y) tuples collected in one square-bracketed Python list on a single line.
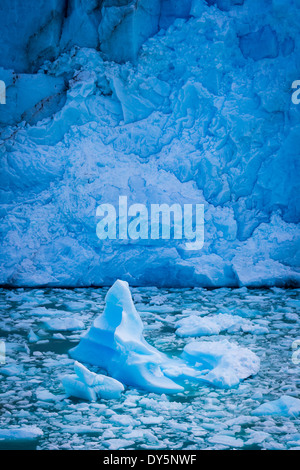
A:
[(201, 112)]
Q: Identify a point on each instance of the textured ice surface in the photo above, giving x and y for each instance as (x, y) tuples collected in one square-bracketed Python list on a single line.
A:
[(90, 386), (20, 434), (65, 324), (203, 116), (202, 417), (116, 343), (201, 326), (227, 363), (118, 28), (124, 28), (284, 406), (29, 34)]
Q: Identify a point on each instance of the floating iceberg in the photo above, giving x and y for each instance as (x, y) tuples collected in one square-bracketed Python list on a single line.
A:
[(224, 364), (284, 406), (90, 386), (116, 342)]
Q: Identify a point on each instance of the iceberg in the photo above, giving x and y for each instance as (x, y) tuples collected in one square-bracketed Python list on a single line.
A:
[(116, 343), (90, 386)]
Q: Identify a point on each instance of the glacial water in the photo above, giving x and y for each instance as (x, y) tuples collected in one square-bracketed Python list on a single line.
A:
[(201, 417)]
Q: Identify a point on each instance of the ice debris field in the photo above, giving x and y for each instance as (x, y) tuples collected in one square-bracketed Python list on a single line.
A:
[(142, 368)]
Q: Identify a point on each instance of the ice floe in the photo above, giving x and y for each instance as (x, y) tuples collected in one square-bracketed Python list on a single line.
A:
[(284, 406), (214, 325), (90, 386), (225, 363), (24, 433), (63, 324)]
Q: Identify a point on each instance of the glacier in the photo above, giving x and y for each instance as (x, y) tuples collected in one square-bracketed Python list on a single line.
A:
[(163, 102), (115, 342)]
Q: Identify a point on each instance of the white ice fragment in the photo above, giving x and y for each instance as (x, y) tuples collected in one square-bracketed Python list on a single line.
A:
[(32, 337), (12, 370), (45, 395), (284, 406), (63, 324), (59, 336), (123, 420), (90, 386), (223, 364), (194, 325), (25, 433), (227, 441), (116, 444)]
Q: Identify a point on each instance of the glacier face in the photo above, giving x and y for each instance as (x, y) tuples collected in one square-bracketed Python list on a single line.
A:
[(202, 113)]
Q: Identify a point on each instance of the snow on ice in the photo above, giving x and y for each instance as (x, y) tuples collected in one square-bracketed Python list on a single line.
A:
[(226, 362)]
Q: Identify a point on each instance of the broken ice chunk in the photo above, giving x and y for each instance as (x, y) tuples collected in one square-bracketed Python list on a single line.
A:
[(20, 434), (224, 364), (63, 324), (90, 386), (116, 342), (32, 337), (284, 406), (214, 325)]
